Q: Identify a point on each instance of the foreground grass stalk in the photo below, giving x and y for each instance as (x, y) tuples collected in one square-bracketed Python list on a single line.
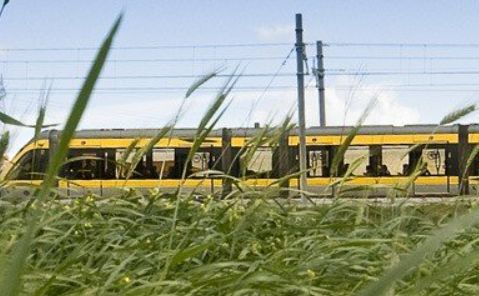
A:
[(207, 123), (415, 258), (10, 283)]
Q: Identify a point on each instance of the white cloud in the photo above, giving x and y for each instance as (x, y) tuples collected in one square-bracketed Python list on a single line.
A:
[(345, 107), (341, 108), (275, 32)]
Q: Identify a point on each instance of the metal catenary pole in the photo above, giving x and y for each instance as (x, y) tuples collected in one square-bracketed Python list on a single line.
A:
[(301, 117), (320, 83)]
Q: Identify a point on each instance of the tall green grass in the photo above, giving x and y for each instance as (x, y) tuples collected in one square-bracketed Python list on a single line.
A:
[(121, 246), (12, 268)]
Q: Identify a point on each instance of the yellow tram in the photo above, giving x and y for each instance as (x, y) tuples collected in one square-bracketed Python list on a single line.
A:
[(386, 150)]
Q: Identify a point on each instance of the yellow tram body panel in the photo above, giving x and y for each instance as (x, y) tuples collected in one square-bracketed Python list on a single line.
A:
[(429, 180), (377, 139), (473, 138), (139, 183), (125, 142), (38, 144)]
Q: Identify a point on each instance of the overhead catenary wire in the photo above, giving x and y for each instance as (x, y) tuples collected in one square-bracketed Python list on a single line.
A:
[(390, 73), (273, 87), (402, 57), (331, 72), (59, 106), (243, 45), (147, 47), (152, 60), (166, 76), (400, 44), (14, 77), (275, 90), (235, 58), (165, 88), (268, 85)]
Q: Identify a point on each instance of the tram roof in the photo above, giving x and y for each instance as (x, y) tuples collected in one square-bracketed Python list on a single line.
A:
[(329, 130)]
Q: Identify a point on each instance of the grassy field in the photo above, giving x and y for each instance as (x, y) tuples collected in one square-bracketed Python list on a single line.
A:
[(126, 246)]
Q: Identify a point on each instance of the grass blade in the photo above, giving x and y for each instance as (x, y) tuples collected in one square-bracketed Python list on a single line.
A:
[(338, 157), (469, 162), (5, 2), (7, 119), (4, 140), (202, 80), (41, 115), (414, 259), (80, 106), (141, 152), (457, 114), (10, 283)]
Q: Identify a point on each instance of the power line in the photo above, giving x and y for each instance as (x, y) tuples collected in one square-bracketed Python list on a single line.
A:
[(240, 45), (135, 89), (330, 72), (268, 86), (134, 77), (247, 58), (61, 107), (458, 90), (408, 85), (149, 47), (391, 73), (393, 44), (143, 76), (403, 58), (162, 60), (410, 69)]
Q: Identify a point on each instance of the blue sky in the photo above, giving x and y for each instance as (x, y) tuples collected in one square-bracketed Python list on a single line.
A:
[(83, 24)]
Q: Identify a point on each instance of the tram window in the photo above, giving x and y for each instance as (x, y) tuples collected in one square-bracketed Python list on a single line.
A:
[(435, 159), (124, 163), (88, 167), (31, 166), (164, 163), (235, 166), (261, 162), (120, 155), (474, 166), (200, 162), (318, 162), (395, 158), (352, 154)]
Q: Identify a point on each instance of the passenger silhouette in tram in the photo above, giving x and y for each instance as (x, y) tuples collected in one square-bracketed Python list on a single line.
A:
[(405, 169), (152, 173), (369, 171), (140, 170), (384, 171), (345, 169)]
